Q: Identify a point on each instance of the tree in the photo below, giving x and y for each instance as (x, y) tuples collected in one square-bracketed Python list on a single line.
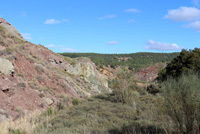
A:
[(123, 85), (186, 62)]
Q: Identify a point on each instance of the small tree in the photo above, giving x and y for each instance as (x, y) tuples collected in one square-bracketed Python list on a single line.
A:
[(123, 85), (182, 103)]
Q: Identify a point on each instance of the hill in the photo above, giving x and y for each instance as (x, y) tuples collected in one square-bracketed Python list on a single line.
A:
[(33, 78), (133, 61)]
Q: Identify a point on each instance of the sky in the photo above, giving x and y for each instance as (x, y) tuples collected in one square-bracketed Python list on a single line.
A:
[(106, 26)]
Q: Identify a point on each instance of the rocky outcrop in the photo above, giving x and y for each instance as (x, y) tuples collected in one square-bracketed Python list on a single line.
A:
[(6, 66), (48, 101), (9, 28), (87, 69), (149, 73)]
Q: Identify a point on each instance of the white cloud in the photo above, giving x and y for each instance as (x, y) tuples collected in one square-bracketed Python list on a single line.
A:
[(50, 46), (23, 14), (65, 20), (195, 25), (196, 2), (51, 21), (113, 42), (132, 10), (161, 46), (61, 48), (131, 21), (68, 49), (27, 36), (183, 14), (107, 17)]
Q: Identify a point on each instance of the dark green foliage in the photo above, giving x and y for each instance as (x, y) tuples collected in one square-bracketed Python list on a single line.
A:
[(153, 89), (75, 101), (186, 62), (134, 60), (182, 103)]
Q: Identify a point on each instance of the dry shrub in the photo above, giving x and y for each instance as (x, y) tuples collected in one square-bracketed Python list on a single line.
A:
[(25, 124)]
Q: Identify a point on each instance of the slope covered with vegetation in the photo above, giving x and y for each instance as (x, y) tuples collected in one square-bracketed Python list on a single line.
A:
[(131, 109), (134, 60)]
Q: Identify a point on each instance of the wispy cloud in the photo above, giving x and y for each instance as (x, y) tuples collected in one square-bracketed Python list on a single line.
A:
[(131, 21), (51, 21), (132, 10), (108, 17), (68, 49), (27, 36), (161, 46), (196, 2), (113, 42), (50, 46), (61, 48), (65, 20), (195, 25), (183, 14), (23, 14)]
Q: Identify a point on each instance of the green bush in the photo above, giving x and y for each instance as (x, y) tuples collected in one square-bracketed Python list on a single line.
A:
[(75, 101), (16, 131), (182, 103)]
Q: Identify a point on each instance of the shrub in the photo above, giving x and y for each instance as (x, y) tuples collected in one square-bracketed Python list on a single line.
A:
[(139, 128), (39, 69), (182, 102), (21, 85), (49, 112), (16, 131), (75, 101), (2, 30)]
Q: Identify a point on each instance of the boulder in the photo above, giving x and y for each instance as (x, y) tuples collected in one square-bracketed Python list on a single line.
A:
[(6, 66), (48, 101)]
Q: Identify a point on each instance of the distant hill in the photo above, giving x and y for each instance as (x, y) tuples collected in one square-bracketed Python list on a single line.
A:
[(133, 60)]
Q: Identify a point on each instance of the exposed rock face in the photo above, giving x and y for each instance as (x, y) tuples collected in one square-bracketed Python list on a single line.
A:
[(149, 73), (87, 69), (41, 73), (6, 66)]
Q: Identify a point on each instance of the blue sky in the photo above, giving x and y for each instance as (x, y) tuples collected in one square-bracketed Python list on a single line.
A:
[(106, 26)]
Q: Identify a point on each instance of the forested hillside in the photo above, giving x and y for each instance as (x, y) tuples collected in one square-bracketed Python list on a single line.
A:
[(134, 60)]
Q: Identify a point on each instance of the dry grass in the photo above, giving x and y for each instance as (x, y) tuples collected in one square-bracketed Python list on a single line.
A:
[(25, 124)]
